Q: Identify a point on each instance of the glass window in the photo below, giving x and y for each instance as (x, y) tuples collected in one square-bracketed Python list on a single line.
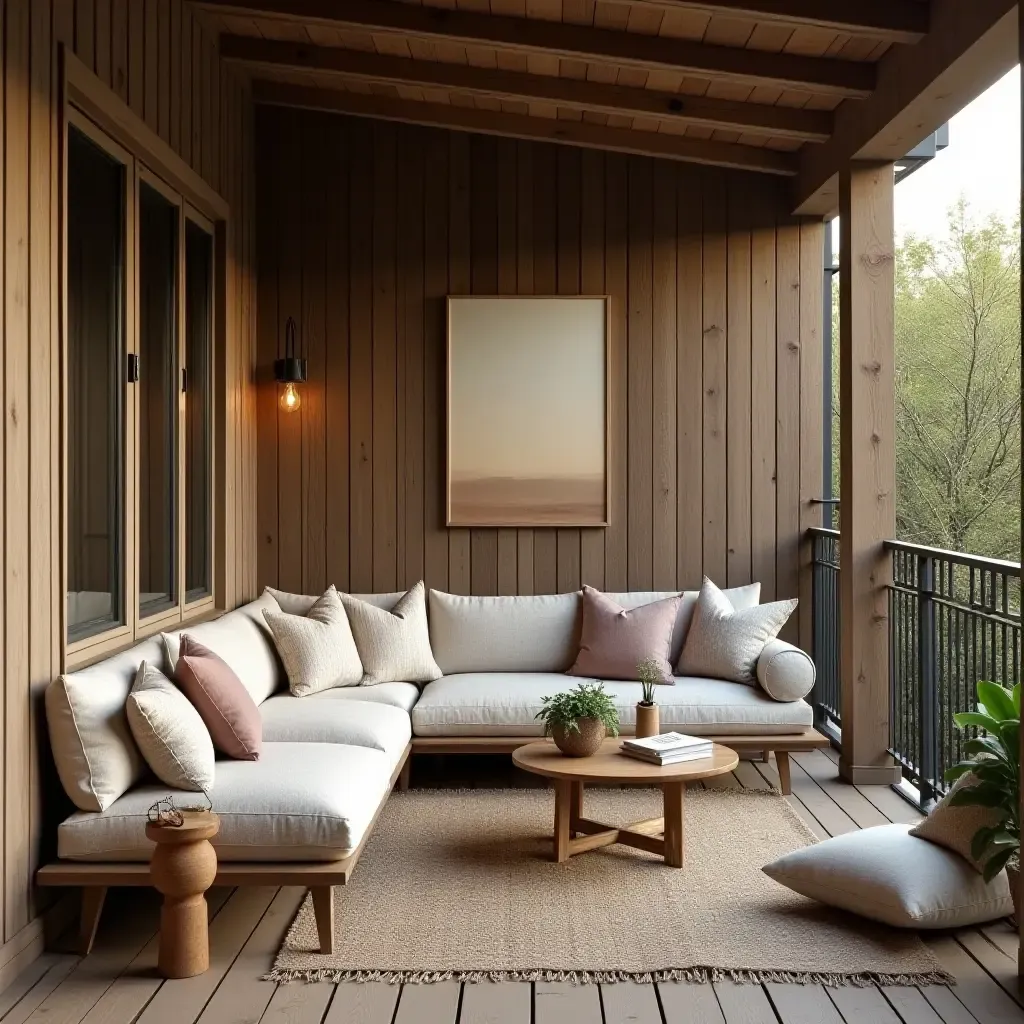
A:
[(95, 255), (198, 400), (158, 401)]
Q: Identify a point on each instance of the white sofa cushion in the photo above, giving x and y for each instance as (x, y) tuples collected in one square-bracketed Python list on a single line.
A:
[(298, 802), (96, 757), (288, 719), (504, 634), (242, 639), (299, 604), (888, 875), (784, 671), (506, 704), (740, 598), (171, 734), (398, 695)]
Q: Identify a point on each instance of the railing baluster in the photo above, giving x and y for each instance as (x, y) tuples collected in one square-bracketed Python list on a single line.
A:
[(928, 688)]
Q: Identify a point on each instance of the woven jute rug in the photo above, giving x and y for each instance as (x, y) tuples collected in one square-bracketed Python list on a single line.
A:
[(459, 885)]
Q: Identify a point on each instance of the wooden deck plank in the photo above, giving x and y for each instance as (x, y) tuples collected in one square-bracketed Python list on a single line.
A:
[(629, 1002), (890, 803), (802, 1004), (825, 810), (822, 770), (298, 1004), (997, 965), (37, 994), (562, 1003), (183, 1000), (508, 1003), (372, 1003), (27, 980), (1002, 934), (862, 1005), (749, 777), (429, 1004), (744, 1004), (910, 1005), (769, 774), (946, 1005), (685, 1002), (242, 995), (974, 988)]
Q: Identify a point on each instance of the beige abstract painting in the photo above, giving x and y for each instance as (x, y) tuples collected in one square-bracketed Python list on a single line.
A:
[(527, 410)]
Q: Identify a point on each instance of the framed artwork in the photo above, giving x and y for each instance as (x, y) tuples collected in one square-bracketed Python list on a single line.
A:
[(527, 411)]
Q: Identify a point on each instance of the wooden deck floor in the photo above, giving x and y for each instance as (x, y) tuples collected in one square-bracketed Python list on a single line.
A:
[(117, 984)]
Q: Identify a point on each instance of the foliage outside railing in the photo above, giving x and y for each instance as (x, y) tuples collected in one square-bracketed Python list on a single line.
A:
[(953, 619)]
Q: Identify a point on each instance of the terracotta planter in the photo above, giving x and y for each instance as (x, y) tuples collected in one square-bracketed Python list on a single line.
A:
[(582, 741), (1013, 876), (647, 723)]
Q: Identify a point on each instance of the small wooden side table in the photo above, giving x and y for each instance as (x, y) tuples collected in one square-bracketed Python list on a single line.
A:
[(183, 867)]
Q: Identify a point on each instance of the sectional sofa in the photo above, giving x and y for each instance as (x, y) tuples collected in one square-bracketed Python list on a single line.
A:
[(301, 814)]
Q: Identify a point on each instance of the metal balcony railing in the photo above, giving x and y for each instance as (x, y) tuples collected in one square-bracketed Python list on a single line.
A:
[(954, 619)]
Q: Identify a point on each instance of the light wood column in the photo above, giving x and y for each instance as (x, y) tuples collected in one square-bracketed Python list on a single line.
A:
[(867, 452)]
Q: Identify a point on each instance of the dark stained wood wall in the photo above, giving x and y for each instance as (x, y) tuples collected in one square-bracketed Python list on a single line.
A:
[(365, 227)]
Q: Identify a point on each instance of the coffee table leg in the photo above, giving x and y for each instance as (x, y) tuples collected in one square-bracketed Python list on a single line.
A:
[(672, 795), (563, 817), (575, 807)]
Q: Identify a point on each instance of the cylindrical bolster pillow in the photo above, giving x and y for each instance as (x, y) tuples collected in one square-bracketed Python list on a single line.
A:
[(785, 672)]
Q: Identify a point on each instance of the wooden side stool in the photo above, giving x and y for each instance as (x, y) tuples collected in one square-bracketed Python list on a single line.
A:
[(183, 867)]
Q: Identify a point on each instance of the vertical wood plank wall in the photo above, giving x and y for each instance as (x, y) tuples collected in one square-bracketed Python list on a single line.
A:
[(365, 226), (162, 62)]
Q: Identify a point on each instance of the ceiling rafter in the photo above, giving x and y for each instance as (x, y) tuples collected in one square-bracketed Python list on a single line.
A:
[(761, 119), (521, 126), (827, 75)]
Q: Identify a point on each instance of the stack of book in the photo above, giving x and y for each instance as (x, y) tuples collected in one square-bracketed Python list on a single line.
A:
[(668, 748)]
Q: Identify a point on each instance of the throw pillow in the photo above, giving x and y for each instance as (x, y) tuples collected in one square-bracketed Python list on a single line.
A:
[(317, 648), (394, 646), (615, 639), (954, 827), (886, 874), (170, 733), (724, 643), (220, 698)]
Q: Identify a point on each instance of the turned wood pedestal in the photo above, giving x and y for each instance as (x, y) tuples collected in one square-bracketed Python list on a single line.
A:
[(183, 867)]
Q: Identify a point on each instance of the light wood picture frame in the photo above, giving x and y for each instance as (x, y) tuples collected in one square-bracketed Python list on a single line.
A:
[(527, 411)]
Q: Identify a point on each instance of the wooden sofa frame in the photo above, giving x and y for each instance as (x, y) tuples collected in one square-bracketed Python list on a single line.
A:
[(321, 877)]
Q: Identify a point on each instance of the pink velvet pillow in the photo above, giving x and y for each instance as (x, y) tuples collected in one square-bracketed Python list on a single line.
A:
[(615, 640), (222, 701)]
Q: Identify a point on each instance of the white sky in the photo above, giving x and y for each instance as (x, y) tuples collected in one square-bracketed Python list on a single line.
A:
[(982, 162)]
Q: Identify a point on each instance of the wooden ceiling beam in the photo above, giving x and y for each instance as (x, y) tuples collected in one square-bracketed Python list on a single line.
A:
[(970, 46), (521, 126), (895, 21), (827, 75), (515, 86)]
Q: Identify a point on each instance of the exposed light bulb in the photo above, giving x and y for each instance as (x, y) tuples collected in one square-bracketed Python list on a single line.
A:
[(289, 400)]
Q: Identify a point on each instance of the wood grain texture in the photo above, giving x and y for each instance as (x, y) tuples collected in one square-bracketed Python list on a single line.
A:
[(691, 376)]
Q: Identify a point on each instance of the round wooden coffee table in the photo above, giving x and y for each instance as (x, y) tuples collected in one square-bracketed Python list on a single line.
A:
[(576, 834)]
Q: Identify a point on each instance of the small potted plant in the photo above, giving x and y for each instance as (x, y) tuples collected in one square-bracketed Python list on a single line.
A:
[(995, 762), (579, 719), (647, 716)]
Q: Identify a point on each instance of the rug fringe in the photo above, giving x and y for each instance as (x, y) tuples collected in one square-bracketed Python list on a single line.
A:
[(700, 975)]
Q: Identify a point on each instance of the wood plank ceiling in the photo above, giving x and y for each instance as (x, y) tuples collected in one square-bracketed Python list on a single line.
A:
[(736, 83)]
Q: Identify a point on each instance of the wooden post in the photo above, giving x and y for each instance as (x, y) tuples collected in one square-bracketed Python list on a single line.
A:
[(867, 454)]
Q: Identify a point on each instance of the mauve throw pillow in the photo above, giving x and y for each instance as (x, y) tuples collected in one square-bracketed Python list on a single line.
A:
[(220, 698), (614, 640)]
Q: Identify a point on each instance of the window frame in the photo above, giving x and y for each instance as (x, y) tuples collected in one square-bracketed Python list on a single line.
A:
[(92, 109)]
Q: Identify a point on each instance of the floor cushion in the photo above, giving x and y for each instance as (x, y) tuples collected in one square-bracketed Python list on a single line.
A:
[(398, 695), (299, 802), (887, 874), (506, 704), (288, 719)]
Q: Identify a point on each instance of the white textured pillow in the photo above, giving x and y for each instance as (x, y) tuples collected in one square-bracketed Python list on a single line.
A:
[(394, 646), (954, 826), (299, 604), (786, 673), (887, 874), (724, 643), (172, 737), (317, 648)]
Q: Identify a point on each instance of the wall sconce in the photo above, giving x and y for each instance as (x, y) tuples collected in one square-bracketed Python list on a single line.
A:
[(289, 371)]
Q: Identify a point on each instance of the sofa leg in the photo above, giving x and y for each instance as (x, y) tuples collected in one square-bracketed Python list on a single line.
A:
[(405, 774), (93, 898), (766, 756), (323, 911), (782, 763)]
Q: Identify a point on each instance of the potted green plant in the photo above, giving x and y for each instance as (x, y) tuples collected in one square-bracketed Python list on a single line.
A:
[(647, 716), (579, 719), (995, 762)]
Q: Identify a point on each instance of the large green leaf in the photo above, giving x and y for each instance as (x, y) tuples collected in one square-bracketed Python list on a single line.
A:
[(997, 862), (965, 719), (984, 795), (987, 745), (1016, 698), (997, 700)]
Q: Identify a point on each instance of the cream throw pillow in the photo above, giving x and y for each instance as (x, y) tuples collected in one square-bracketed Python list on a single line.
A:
[(317, 648), (394, 646), (888, 875), (954, 827), (172, 737), (724, 643)]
